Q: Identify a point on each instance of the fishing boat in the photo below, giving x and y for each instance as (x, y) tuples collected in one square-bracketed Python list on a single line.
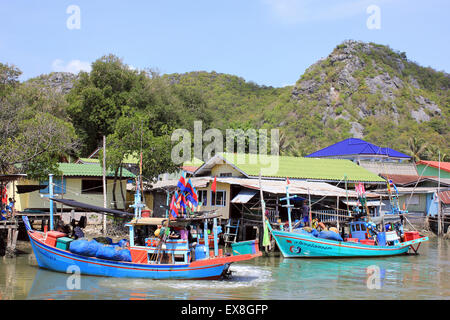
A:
[(364, 240), (160, 257)]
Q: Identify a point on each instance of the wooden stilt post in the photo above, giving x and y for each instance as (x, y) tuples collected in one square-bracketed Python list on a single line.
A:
[(104, 184), (337, 213)]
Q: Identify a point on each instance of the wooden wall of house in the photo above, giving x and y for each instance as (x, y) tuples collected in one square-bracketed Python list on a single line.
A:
[(222, 210), (73, 191), (225, 169)]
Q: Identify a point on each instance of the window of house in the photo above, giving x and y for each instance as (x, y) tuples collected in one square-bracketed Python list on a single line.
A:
[(218, 198), (225, 174), (414, 200), (59, 187), (203, 197), (91, 186)]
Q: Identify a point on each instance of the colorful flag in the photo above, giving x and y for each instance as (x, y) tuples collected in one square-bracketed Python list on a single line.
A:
[(181, 201), (213, 186), (191, 200), (173, 208), (360, 189), (182, 183), (287, 180), (190, 189)]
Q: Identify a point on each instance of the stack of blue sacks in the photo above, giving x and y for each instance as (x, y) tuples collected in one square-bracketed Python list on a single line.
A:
[(92, 248), (325, 234)]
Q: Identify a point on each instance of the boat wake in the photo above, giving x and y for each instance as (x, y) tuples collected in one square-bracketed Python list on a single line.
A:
[(241, 276)]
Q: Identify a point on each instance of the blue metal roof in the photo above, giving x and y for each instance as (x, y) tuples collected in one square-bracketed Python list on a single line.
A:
[(353, 146)]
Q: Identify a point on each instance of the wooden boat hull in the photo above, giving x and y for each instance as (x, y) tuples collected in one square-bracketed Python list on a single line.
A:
[(295, 245), (56, 259)]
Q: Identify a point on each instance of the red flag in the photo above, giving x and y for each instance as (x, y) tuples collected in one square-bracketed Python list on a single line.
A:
[(213, 186), (287, 180)]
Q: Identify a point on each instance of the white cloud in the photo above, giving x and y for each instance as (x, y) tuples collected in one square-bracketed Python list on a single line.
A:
[(301, 11), (73, 66)]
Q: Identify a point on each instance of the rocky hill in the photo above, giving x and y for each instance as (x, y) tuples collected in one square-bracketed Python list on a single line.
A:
[(369, 91)]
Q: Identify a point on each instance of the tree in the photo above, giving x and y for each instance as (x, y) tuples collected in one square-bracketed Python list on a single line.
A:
[(31, 140), (133, 135), (416, 148), (99, 98)]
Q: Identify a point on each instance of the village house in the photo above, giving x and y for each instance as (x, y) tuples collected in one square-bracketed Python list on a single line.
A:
[(237, 197), (80, 182)]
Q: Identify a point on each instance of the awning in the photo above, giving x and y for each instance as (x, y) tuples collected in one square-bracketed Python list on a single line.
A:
[(89, 207), (29, 188), (373, 203), (244, 196)]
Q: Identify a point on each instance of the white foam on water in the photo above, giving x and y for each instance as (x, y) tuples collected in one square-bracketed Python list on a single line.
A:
[(242, 276)]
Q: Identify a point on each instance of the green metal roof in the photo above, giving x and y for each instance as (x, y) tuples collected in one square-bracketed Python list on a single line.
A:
[(129, 159), (302, 168), (89, 170)]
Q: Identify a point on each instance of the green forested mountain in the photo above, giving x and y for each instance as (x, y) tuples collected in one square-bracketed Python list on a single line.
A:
[(362, 90)]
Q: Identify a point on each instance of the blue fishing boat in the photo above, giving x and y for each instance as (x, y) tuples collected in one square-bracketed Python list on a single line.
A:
[(160, 257), (364, 240), (296, 245)]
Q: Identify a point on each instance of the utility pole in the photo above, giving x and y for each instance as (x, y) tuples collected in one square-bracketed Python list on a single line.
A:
[(437, 196), (104, 184)]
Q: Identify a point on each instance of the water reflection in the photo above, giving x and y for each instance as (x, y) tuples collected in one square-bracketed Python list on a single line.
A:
[(54, 285), (425, 276)]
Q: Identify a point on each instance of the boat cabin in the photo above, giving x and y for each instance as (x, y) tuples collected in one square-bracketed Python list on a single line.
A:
[(188, 246), (358, 230)]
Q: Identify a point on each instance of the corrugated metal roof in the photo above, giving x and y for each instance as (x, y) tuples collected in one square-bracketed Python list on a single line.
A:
[(89, 170), (271, 186), (372, 203), (400, 179), (354, 146), (409, 190), (444, 196), (436, 164), (244, 196), (379, 167), (299, 168)]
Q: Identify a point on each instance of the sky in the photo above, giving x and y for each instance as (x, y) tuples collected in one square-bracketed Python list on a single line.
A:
[(270, 42)]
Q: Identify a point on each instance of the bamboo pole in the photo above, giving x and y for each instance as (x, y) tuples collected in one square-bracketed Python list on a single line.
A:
[(104, 184), (263, 208), (439, 201), (337, 212), (310, 214)]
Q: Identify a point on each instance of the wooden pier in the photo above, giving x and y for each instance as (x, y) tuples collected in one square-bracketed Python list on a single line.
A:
[(10, 228)]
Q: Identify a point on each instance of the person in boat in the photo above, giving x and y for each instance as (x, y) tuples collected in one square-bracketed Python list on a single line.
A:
[(61, 227), (175, 234), (77, 232), (305, 213)]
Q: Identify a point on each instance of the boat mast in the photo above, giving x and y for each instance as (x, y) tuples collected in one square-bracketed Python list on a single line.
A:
[(50, 186), (439, 201)]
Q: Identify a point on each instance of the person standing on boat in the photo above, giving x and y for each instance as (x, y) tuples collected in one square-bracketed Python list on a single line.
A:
[(305, 213)]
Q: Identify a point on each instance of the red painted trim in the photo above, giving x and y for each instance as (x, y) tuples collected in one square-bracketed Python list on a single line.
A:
[(227, 259), (341, 245)]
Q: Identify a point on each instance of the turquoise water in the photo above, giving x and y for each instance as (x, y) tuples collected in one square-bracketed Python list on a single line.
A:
[(425, 276)]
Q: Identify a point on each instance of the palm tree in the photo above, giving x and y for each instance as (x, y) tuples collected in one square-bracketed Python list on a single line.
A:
[(416, 148)]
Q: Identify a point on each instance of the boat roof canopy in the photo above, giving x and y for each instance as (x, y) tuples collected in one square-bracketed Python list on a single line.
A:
[(90, 207)]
